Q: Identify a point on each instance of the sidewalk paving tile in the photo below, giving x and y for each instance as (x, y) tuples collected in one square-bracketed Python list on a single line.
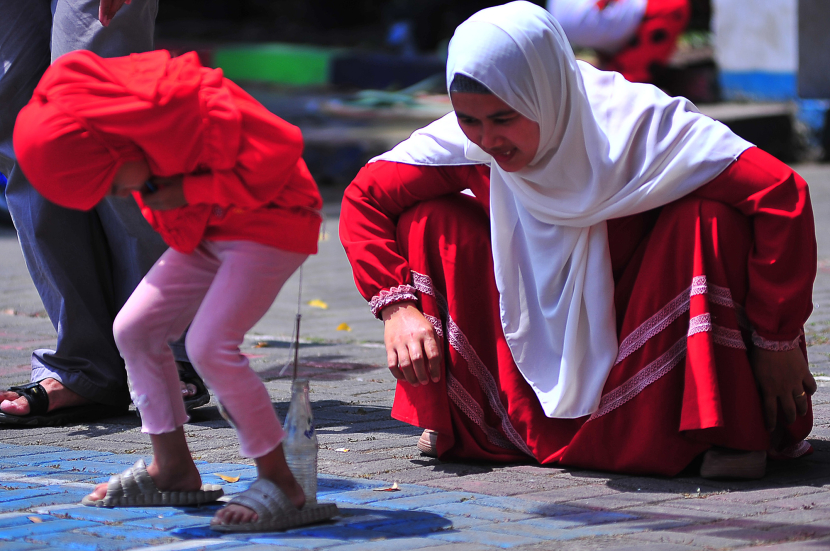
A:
[(51, 457), (400, 544), (414, 517), (429, 500), (14, 495), (372, 496), (14, 451), (136, 535), (83, 542), (530, 507), (8, 520), (67, 496), (39, 528), (481, 512), (252, 547), (505, 541), (95, 514), (432, 524), (192, 545), (684, 538), (295, 541), (814, 545), (176, 522), (372, 518), (16, 473), (574, 521), (55, 476)]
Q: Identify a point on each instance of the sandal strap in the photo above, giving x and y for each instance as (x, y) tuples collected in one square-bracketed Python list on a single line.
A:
[(266, 499), (132, 482), (36, 395)]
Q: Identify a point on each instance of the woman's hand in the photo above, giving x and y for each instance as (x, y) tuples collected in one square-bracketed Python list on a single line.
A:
[(412, 351), (169, 193), (785, 381)]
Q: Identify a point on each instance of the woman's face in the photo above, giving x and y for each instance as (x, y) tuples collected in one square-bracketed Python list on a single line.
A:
[(510, 138), (130, 177)]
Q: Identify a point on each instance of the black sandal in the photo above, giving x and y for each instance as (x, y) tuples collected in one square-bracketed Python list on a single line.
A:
[(40, 416), (188, 376)]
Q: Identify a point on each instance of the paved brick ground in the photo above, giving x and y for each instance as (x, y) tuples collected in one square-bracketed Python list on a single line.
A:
[(446, 506)]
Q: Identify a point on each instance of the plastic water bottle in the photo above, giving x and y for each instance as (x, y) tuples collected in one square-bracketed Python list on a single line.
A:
[(300, 443)]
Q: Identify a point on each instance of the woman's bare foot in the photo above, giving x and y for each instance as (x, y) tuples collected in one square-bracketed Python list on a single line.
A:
[(725, 463), (428, 443), (12, 403), (273, 467), (59, 397)]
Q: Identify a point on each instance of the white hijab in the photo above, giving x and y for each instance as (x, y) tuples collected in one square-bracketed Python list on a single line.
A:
[(608, 148)]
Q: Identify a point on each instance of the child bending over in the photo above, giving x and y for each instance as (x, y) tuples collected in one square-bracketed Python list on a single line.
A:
[(223, 181)]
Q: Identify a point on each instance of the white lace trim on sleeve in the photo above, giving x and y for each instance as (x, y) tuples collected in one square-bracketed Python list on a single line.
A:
[(386, 297)]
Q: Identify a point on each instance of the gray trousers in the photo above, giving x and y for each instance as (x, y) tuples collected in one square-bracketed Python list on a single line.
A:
[(84, 264)]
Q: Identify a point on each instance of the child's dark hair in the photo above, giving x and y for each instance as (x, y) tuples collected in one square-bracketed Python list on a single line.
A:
[(467, 85)]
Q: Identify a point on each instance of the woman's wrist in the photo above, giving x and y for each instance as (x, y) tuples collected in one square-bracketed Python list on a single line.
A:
[(394, 295), (387, 312), (775, 345)]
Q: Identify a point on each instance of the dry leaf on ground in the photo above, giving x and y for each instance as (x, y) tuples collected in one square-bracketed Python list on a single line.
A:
[(227, 478)]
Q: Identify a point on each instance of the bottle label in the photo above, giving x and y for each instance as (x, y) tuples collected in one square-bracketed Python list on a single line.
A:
[(310, 432)]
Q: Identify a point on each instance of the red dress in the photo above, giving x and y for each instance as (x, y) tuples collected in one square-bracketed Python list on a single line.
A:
[(696, 282)]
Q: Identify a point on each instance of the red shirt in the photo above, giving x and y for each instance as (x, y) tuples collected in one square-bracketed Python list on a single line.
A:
[(244, 178)]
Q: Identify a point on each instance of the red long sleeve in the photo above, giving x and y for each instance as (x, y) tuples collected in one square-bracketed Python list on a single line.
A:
[(268, 151), (782, 265), (371, 205)]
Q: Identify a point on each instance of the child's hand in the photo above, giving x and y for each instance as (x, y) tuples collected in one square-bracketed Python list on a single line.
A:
[(107, 10), (785, 383), (169, 193)]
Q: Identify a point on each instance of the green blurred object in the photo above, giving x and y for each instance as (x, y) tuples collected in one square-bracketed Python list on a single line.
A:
[(276, 63)]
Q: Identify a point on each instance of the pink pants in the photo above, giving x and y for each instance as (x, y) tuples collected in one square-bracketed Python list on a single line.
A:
[(223, 288)]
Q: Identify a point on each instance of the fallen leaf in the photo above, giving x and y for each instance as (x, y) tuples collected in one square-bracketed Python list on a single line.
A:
[(227, 478), (262, 344), (317, 303), (344, 327), (36, 520), (392, 488), (342, 449)]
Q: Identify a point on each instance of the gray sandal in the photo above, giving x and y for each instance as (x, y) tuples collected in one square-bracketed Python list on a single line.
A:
[(274, 510), (134, 488)]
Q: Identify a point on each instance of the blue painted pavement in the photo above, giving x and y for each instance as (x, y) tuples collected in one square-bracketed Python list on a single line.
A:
[(41, 488)]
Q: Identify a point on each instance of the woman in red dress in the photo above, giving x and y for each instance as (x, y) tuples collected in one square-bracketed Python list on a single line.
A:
[(625, 275)]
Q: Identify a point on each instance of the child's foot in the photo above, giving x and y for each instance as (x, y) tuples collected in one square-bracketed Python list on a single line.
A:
[(234, 513), (186, 479)]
